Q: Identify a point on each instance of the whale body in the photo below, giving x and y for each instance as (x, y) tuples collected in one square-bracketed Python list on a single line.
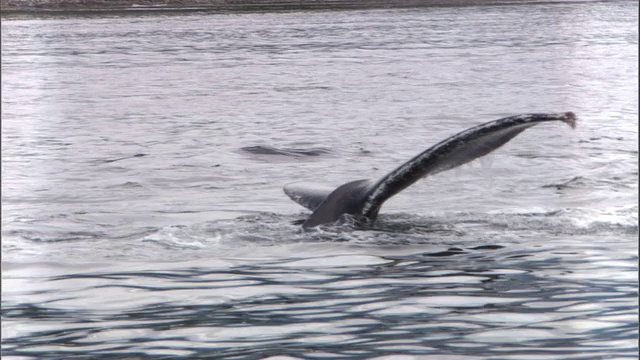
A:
[(364, 198)]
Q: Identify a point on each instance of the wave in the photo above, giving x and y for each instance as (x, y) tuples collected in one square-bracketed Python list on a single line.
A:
[(404, 229)]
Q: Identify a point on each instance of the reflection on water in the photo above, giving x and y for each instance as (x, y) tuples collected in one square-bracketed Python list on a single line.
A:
[(143, 159)]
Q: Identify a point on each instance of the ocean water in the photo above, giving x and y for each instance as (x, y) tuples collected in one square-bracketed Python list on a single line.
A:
[(144, 155)]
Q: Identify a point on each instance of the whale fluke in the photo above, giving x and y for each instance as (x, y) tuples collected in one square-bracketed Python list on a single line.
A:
[(363, 198)]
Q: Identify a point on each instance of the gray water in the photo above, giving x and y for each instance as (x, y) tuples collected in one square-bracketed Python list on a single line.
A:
[(143, 159)]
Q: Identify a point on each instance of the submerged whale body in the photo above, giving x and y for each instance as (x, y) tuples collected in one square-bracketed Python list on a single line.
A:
[(363, 198)]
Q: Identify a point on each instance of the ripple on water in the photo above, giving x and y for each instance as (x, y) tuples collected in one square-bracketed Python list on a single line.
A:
[(142, 170), (422, 304)]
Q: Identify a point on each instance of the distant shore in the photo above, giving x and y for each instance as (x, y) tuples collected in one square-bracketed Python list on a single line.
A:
[(48, 6)]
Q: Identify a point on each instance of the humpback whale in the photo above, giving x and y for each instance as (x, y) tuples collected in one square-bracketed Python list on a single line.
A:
[(363, 198)]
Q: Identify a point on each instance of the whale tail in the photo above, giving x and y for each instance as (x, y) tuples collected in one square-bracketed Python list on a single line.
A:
[(364, 198), (349, 198)]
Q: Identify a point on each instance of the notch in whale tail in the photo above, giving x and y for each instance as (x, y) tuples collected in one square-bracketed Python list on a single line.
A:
[(364, 198)]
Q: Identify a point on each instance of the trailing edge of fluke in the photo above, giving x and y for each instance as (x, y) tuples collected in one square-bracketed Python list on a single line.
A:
[(363, 198)]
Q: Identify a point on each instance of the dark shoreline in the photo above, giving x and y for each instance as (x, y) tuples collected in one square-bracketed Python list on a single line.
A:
[(92, 6)]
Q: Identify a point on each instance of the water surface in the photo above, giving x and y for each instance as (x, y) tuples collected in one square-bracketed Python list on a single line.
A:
[(143, 159)]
